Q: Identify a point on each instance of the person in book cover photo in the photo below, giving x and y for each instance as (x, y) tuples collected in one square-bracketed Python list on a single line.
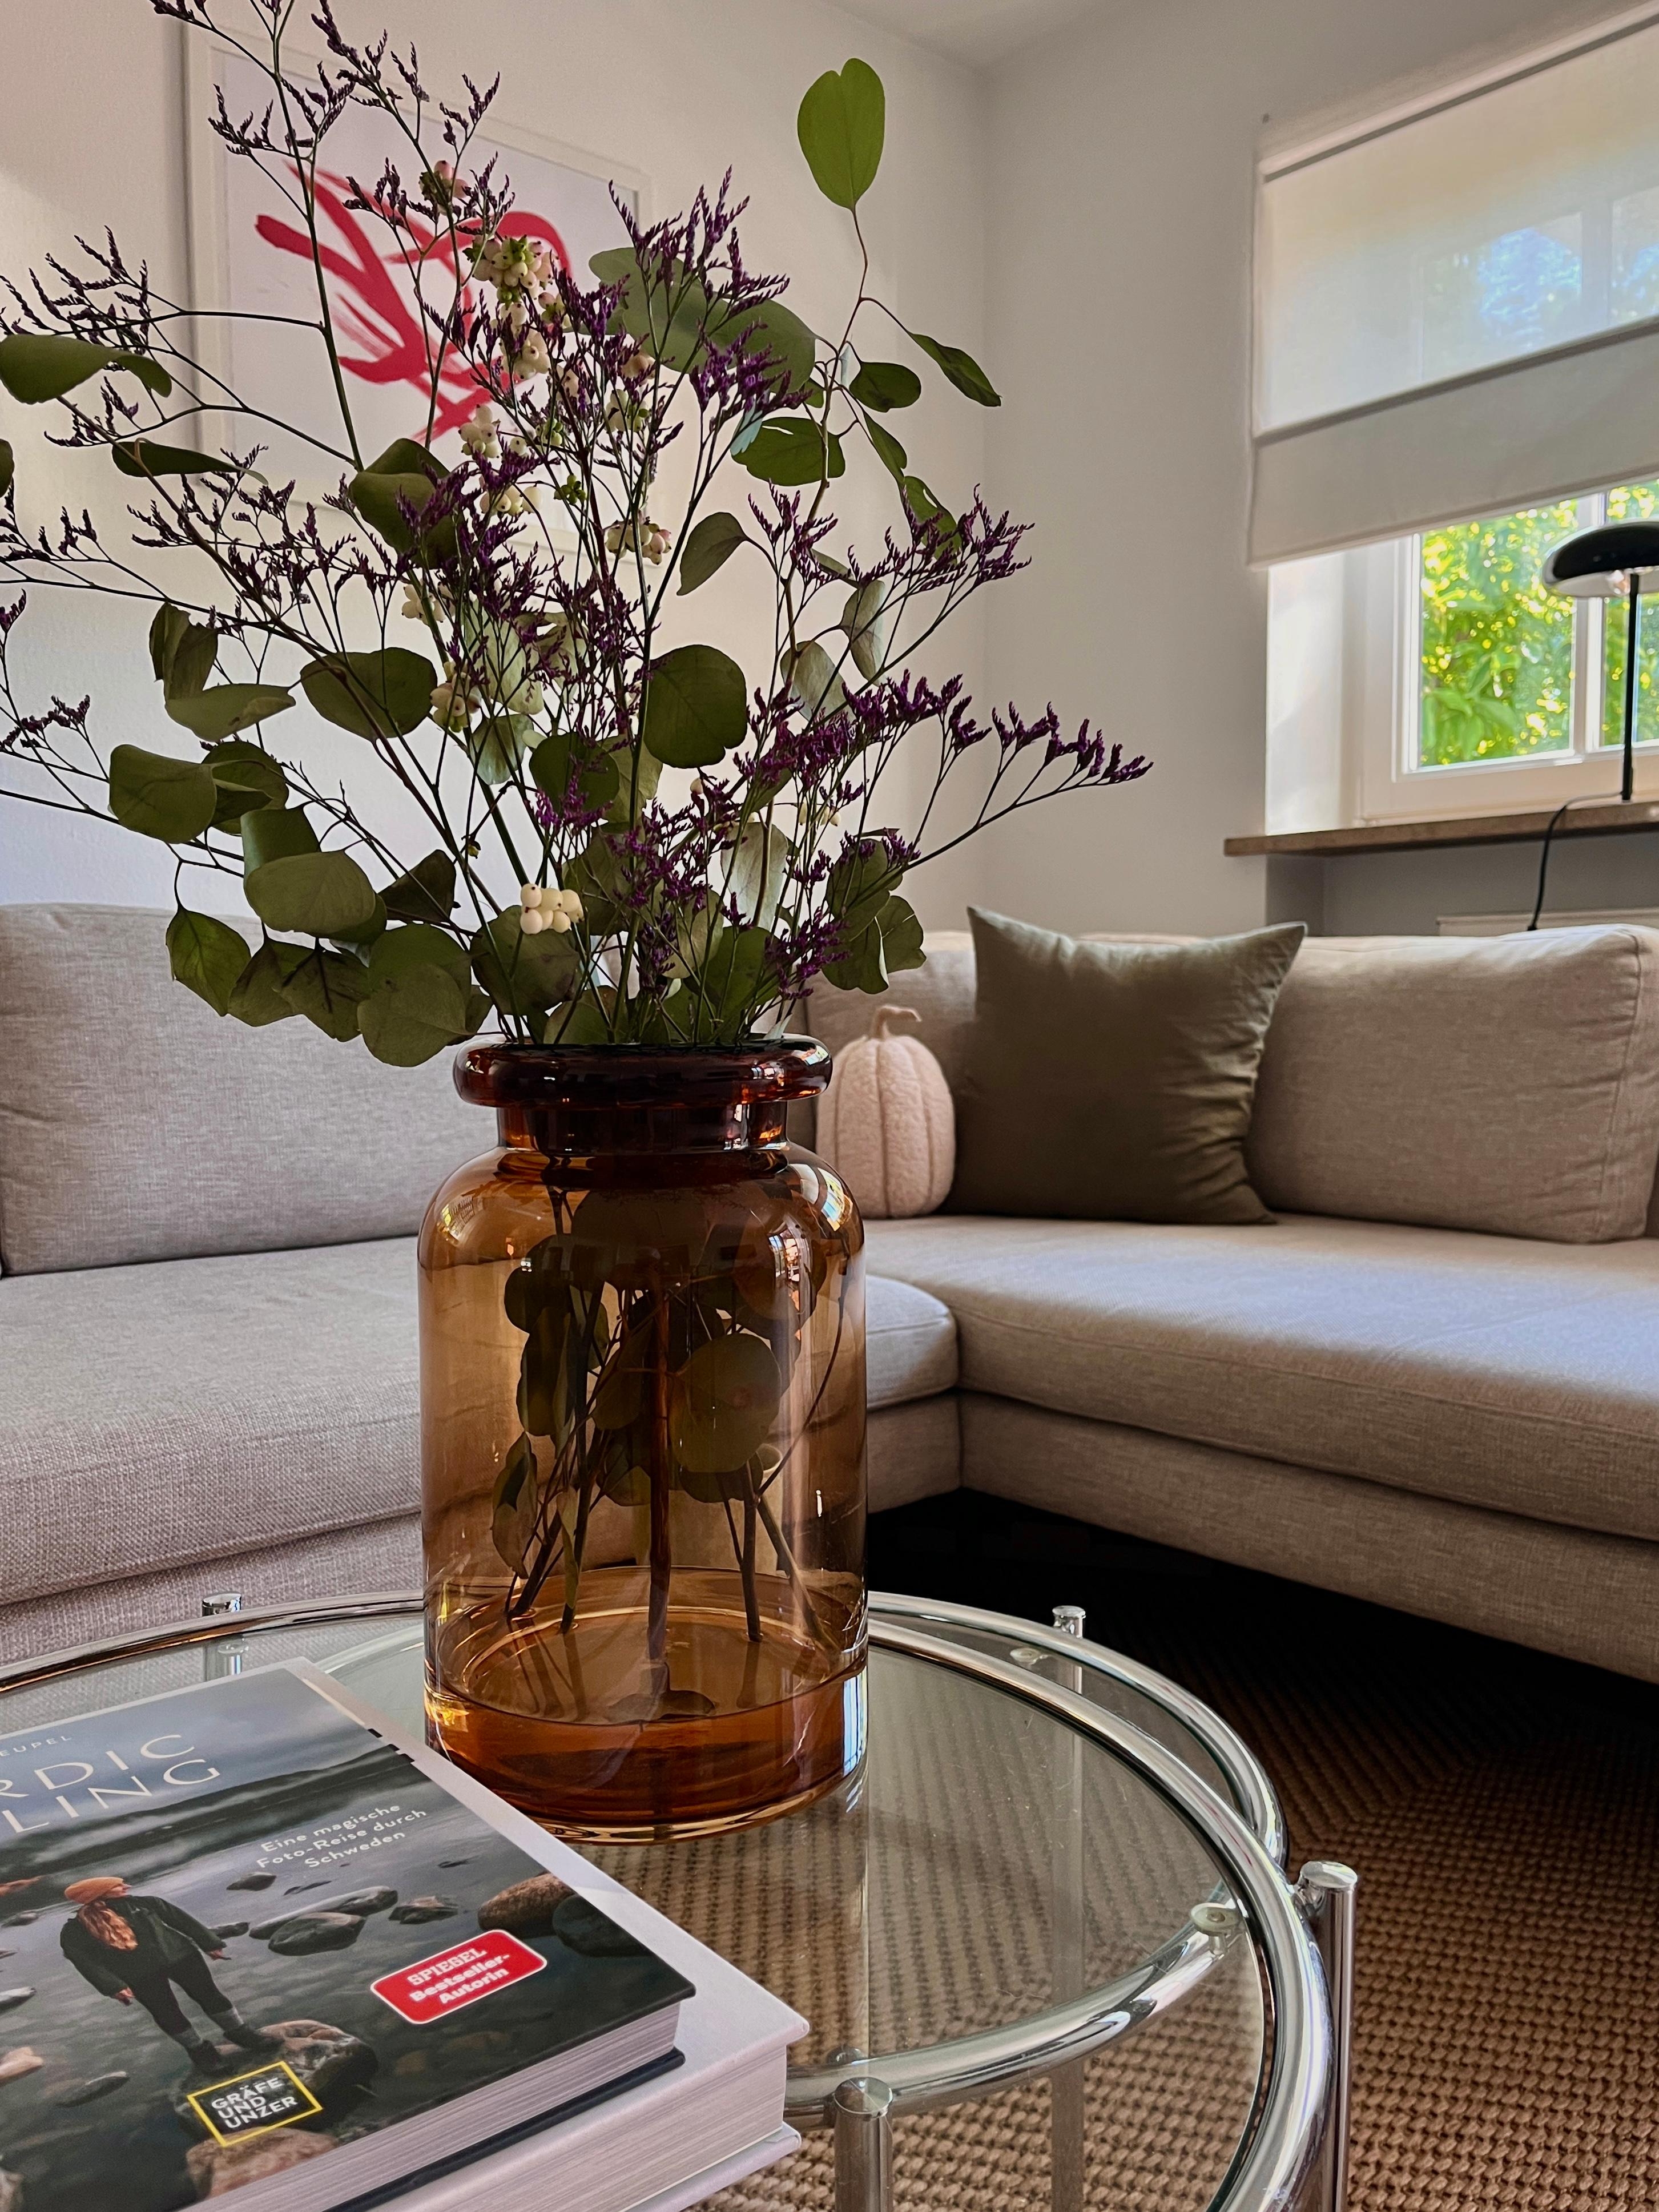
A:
[(142, 1950)]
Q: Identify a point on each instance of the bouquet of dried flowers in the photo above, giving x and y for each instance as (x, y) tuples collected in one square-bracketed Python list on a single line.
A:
[(624, 841)]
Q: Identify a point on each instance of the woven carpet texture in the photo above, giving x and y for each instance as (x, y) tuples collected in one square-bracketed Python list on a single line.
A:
[(1501, 1808)]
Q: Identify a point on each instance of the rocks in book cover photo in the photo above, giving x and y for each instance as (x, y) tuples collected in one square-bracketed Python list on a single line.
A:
[(238, 1931)]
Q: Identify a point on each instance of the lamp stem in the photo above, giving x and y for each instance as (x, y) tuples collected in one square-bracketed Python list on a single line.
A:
[(1632, 631)]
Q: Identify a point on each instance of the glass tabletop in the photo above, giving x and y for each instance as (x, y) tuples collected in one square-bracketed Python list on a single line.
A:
[(993, 1877)]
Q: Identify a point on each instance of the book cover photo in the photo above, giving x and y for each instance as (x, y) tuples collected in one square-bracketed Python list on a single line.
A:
[(239, 1928)]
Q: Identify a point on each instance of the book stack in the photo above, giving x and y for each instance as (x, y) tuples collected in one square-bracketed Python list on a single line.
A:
[(253, 1943)]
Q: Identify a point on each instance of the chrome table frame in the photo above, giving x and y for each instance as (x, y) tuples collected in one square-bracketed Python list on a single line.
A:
[(1295, 2157)]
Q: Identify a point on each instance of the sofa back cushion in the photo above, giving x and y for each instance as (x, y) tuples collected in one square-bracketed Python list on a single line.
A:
[(1503, 1083), (136, 1124)]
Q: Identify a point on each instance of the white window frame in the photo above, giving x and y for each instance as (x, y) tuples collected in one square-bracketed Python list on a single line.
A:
[(1393, 785)]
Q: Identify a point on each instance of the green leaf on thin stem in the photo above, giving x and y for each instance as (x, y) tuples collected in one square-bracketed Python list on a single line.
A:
[(229, 708), (413, 1015), (310, 894), (158, 796), (207, 956), (257, 998), (696, 707), (426, 893), (963, 371), (373, 694), (841, 125), (792, 450), (37, 366), (709, 547), (142, 457), (884, 384)]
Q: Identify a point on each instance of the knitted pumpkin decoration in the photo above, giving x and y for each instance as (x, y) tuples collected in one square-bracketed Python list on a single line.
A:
[(887, 1123)]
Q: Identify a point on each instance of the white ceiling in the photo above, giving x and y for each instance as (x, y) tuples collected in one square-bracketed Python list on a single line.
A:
[(973, 31)]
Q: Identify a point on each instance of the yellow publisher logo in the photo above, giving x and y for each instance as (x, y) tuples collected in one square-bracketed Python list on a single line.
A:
[(271, 2096)]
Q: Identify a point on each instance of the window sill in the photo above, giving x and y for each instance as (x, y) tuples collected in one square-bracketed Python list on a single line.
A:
[(1602, 821)]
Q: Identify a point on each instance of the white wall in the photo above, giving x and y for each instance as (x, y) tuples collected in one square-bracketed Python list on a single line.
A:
[(90, 133), (1123, 153)]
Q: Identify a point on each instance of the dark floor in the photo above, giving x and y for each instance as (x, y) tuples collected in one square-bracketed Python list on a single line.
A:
[(1501, 1807)]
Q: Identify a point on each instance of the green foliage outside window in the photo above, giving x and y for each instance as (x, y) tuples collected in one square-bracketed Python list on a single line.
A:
[(1497, 653), (1497, 648)]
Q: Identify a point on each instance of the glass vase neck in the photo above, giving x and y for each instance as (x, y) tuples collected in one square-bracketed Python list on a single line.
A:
[(579, 1101)]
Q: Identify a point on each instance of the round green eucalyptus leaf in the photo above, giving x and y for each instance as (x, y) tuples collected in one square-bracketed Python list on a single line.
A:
[(391, 503), (597, 780), (413, 1015), (524, 975), (240, 767), (426, 892), (841, 125), (35, 366), (257, 998), (725, 1402), (326, 988), (791, 450), (274, 833), (884, 384), (373, 694), (158, 796), (777, 332), (8, 466), (709, 547), (229, 708), (813, 677), (696, 707), (497, 748), (207, 956), (182, 653), (310, 894), (417, 946), (142, 457)]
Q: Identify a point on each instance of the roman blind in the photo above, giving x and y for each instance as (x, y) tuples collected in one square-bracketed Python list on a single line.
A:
[(1458, 308)]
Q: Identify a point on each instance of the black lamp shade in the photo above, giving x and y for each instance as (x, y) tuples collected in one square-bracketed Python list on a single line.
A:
[(1598, 564)]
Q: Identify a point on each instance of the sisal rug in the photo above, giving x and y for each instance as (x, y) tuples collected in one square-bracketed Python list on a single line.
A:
[(1502, 1811)]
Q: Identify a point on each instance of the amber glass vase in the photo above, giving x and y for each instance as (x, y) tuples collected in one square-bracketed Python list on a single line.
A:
[(642, 1442)]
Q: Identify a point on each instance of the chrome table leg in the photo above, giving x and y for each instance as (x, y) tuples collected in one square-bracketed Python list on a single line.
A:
[(1324, 1892), (864, 2146), (1067, 2084)]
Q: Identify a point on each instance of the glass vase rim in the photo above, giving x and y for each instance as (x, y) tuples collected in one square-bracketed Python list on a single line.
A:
[(514, 1071)]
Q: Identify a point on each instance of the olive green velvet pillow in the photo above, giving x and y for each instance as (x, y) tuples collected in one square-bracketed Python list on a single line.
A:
[(1112, 1082)]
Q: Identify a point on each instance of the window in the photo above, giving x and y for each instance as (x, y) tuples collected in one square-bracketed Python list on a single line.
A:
[(1509, 670), (1456, 298), (1433, 675)]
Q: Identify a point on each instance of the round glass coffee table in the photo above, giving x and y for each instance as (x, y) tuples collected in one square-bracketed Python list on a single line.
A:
[(1046, 1929)]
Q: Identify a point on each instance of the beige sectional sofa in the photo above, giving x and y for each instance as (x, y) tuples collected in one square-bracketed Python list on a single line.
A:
[(208, 1368)]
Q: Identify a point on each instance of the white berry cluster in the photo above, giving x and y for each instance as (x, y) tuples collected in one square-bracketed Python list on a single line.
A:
[(541, 907)]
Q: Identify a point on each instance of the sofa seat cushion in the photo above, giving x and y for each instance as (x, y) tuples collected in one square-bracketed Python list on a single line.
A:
[(191, 1407), (184, 1409), (910, 1343), (1489, 1370)]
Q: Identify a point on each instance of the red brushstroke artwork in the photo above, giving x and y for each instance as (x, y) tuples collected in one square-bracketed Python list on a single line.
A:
[(375, 298)]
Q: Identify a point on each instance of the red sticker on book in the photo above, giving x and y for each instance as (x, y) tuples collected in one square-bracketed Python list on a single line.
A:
[(434, 1987)]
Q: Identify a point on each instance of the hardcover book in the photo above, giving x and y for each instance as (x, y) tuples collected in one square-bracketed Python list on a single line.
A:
[(249, 1944)]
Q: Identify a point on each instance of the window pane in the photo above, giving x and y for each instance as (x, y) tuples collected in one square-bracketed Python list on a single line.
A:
[(1636, 256), (1509, 295), (1496, 659), (1629, 503)]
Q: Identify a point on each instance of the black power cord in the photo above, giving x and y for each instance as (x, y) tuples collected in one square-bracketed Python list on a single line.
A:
[(1590, 799)]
